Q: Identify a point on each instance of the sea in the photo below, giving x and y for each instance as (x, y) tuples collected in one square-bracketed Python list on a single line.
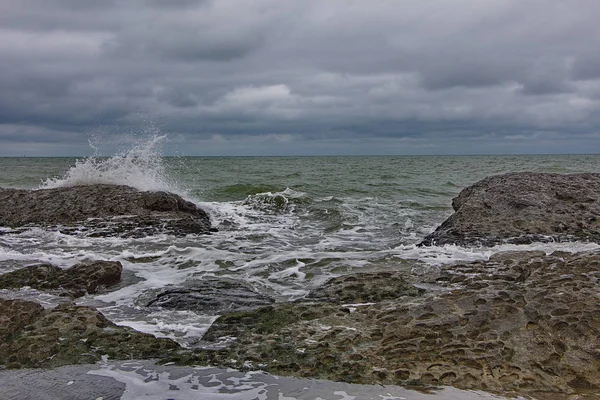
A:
[(285, 226)]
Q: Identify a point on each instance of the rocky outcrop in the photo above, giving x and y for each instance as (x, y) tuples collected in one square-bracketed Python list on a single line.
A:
[(212, 296), (102, 210), (522, 321), (73, 282), (31, 337), (523, 207)]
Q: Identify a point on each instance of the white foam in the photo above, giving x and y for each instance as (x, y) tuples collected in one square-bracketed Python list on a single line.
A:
[(290, 273), (185, 327), (447, 254), (140, 167), (143, 380)]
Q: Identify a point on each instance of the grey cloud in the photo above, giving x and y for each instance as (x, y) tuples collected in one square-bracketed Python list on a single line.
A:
[(466, 71), (175, 3), (185, 44), (540, 86), (318, 71), (587, 67), (177, 98), (548, 76)]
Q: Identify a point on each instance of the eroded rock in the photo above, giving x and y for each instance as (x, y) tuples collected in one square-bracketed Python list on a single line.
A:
[(102, 210), (31, 337), (15, 314), (523, 207), (524, 322), (74, 282), (364, 288)]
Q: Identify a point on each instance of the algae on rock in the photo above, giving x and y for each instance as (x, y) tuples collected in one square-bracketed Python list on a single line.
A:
[(522, 321), (69, 334)]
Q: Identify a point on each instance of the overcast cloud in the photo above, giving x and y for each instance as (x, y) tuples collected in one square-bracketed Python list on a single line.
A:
[(273, 77)]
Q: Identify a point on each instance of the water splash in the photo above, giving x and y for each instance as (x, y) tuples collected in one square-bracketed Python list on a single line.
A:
[(140, 166)]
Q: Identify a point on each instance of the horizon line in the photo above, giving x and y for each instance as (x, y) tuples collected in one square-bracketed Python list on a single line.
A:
[(318, 155)]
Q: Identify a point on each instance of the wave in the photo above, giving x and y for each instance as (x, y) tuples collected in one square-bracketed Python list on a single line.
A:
[(241, 191), (286, 200), (140, 167)]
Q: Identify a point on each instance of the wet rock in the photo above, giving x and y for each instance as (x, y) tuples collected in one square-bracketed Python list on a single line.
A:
[(364, 288), (102, 210), (524, 321), (31, 337), (74, 282), (211, 296), (523, 207), (15, 314), (266, 320)]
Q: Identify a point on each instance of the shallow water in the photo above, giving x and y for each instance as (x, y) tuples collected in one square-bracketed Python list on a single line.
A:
[(143, 380)]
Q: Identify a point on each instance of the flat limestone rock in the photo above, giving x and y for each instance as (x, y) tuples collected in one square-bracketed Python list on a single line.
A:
[(211, 296), (523, 207), (31, 337), (523, 322), (102, 210), (73, 282)]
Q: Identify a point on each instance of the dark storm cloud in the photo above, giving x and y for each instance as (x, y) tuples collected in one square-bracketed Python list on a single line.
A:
[(310, 75), (188, 44), (175, 3), (587, 67)]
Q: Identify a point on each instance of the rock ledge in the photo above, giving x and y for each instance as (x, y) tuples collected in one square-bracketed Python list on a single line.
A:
[(521, 208), (102, 210)]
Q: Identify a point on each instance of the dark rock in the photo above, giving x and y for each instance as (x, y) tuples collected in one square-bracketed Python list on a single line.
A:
[(102, 210), (364, 288), (211, 296), (523, 321), (31, 337), (523, 207), (75, 281)]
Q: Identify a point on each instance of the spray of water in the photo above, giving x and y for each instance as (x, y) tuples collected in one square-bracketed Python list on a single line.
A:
[(140, 166)]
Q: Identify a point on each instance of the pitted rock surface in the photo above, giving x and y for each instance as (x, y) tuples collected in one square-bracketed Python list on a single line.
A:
[(73, 282), (102, 210), (15, 314), (364, 288), (524, 322), (523, 207), (31, 337)]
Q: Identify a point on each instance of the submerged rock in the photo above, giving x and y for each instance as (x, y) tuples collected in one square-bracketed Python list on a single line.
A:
[(211, 296), (523, 207), (74, 282), (522, 321), (31, 337), (102, 210)]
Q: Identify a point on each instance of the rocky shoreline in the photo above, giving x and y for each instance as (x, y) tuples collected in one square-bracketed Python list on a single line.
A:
[(523, 321), (102, 210), (523, 207), (520, 322)]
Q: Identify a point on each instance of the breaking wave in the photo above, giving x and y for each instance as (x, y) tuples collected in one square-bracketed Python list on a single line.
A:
[(286, 200), (140, 166)]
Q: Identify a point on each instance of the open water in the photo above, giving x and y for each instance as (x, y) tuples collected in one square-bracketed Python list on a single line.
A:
[(286, 225)]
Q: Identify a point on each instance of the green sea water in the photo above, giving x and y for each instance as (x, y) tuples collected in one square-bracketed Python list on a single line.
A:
[(233, 178)]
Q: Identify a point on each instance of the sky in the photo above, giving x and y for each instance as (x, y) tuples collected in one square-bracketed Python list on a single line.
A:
[(300, 77)]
